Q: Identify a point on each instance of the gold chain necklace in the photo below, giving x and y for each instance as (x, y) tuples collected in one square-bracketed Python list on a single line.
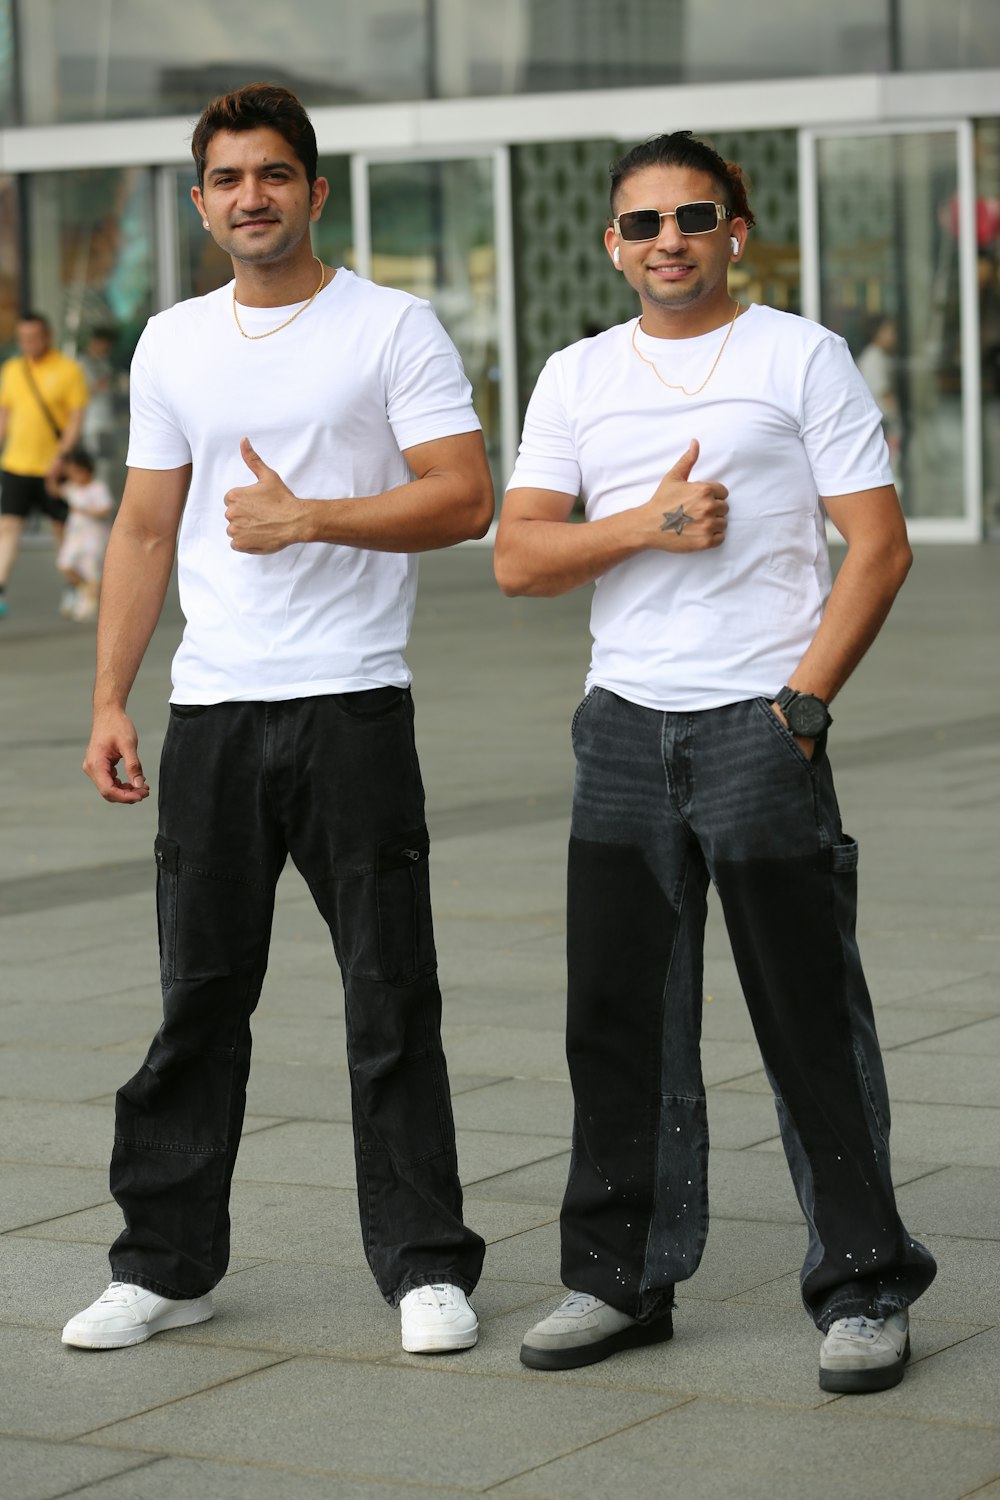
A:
[(683, 389), (298, 312)]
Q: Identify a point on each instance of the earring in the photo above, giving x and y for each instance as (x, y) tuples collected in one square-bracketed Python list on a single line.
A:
[(204, 223)]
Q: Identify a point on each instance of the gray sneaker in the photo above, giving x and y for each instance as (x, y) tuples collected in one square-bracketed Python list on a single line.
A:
[(584, 1330), (865, 1354)]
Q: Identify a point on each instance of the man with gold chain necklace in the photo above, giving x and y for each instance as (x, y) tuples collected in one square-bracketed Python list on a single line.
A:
[(709, 442), (307, 434)]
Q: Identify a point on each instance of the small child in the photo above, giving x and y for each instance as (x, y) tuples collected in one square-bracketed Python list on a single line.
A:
[(85, 539)]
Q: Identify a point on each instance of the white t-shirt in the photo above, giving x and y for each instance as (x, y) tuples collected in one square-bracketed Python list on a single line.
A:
[(329, 402), (784, 419)]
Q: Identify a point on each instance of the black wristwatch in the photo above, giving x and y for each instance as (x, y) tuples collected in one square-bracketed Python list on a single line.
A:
[(804, 713)]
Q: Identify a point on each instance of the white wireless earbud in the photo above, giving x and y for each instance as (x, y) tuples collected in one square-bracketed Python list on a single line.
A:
[(735, 244), (616, 256), (204, 223)]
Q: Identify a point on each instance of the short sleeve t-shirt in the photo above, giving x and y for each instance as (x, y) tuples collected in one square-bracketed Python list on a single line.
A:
[(31, 442), (784, 419), (330, 403)]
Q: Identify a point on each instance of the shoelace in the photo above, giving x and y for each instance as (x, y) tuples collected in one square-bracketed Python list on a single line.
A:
[(580, 1302), (438, 1294), (861, 1327), (120, 1291)]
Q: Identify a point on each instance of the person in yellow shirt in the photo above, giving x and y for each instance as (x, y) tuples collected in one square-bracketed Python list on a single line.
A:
[(43, 395)]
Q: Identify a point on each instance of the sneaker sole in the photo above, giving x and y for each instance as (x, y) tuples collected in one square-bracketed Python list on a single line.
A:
[(861, 1382), (125, 1338), (442, 1343), (636, 1337)]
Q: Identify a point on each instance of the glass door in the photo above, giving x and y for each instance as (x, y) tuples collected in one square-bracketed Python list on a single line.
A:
[(888, 240), (439, 227)]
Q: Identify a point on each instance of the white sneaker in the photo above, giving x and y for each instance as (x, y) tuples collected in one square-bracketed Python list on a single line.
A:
[(865, 1354), (128, 1314), (436, 1319)]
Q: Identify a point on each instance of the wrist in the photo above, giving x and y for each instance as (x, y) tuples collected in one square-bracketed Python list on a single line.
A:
[(805, 714), (308, 524)]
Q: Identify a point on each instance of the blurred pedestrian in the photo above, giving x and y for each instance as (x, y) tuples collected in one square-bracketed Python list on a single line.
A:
[(85, 538), (99, 418), (43, 396)]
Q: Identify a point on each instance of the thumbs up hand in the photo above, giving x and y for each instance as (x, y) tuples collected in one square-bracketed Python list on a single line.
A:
[(686, 515), (264, 516)]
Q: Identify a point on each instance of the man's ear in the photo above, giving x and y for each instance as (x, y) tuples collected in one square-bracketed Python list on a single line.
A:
[(318, 194)]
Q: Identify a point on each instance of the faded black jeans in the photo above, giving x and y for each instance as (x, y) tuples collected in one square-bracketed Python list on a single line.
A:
[(334, 782), (663, 803)]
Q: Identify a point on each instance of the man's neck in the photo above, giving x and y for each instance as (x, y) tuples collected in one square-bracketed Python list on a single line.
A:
[(278, 285), (661, 322)]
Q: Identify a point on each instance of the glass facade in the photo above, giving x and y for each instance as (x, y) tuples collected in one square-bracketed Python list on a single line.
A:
[(433, 234), (10, 260), (514, 278), (120, 59), (988, 288), (8, 71), (91, 272), (890, 284)]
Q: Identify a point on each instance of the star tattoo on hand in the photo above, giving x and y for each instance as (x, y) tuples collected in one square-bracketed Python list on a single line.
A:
[(676, 520)]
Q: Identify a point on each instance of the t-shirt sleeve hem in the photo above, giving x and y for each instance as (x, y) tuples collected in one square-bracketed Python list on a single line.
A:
[(411, 435), (136, 458)]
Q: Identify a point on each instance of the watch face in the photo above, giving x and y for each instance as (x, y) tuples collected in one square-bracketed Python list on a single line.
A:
[(807, 716)]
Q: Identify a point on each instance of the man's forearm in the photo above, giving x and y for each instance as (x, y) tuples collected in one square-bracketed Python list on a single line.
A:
[(136, 574), (449, 500), (542, 559), (860, 600), (424, 514)]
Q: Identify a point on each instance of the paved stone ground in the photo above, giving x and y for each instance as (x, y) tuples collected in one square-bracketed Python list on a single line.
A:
[(298, 1388)]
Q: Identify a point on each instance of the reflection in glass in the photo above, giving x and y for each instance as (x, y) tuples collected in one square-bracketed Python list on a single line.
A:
[(116, 59), (113, 59), (8, 65), (91, 271), (889, 283), (432, 234), (988, 281), (962, 34), (10, 295)]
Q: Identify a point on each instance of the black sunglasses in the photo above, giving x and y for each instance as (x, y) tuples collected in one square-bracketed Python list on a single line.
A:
[(690, 218)]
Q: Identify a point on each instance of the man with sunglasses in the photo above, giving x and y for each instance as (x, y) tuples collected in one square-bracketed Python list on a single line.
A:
[(709, 442)]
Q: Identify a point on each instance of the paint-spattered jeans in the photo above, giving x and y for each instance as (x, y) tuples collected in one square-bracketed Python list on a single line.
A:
[(333, 781), (664, 802)]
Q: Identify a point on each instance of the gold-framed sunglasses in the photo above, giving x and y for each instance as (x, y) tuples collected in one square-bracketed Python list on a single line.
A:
[(690, 218)]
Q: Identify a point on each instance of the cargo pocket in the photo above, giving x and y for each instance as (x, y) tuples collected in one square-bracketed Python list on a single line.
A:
[(166, 853), (403, 898), (844, 856)]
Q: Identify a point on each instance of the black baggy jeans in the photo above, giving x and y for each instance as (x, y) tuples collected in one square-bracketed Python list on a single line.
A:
[(334, 782), (663, 803)]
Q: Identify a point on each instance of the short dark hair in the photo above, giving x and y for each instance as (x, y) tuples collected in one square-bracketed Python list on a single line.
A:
[(81, 458), (249, 108), (681, 149), (30, 316)]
